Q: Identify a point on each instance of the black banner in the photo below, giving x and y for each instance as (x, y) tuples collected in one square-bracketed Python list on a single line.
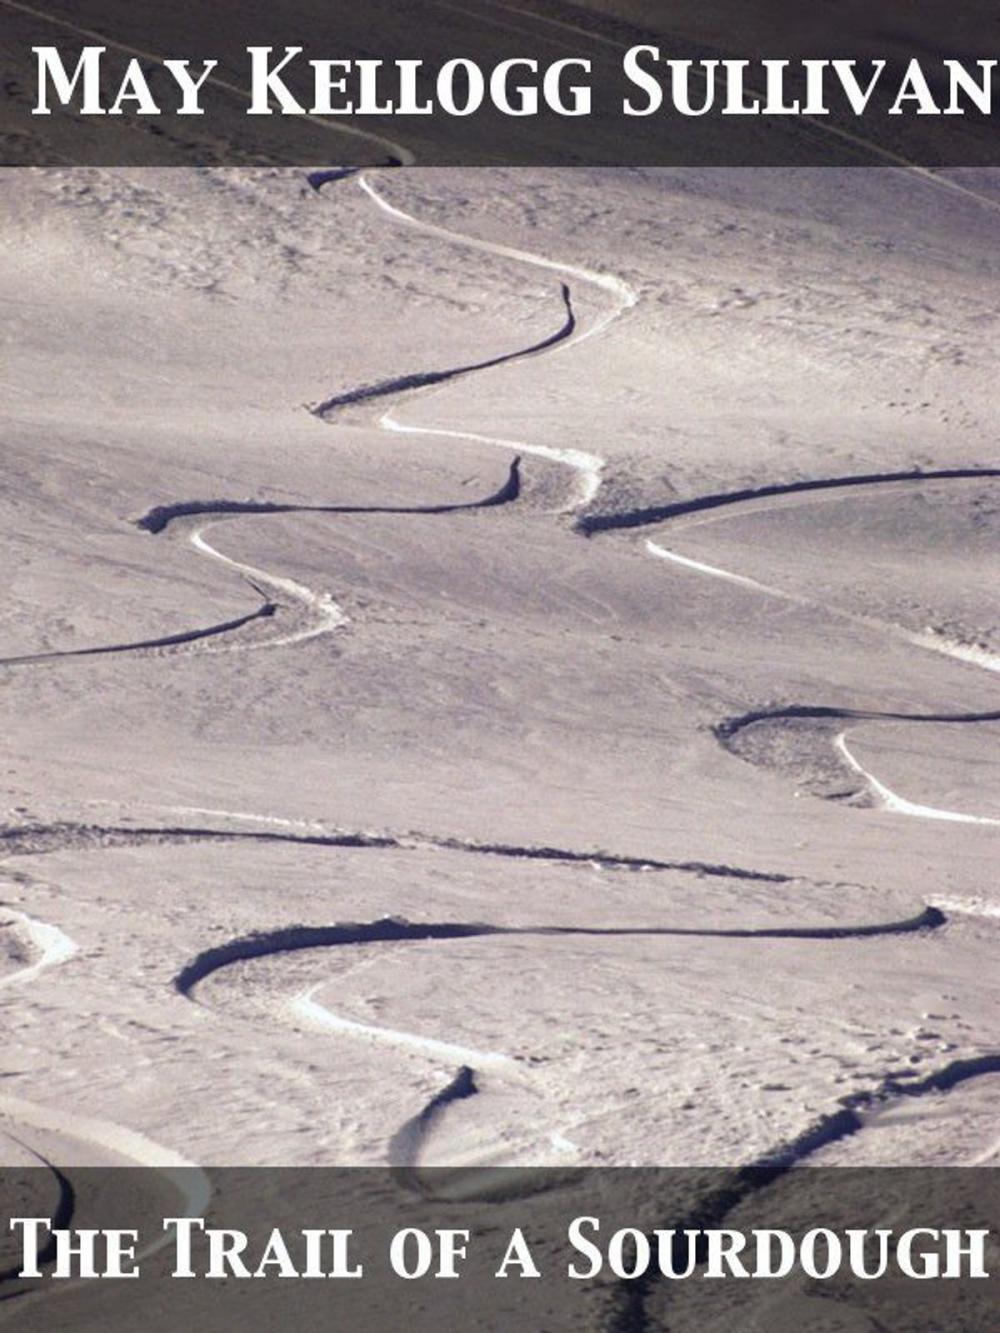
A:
[(481, 82), (901, 1251)]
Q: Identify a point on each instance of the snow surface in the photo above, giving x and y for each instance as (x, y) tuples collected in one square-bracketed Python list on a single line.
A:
[(488, 783)]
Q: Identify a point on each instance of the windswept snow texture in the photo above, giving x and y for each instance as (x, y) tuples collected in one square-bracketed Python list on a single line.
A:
[(499, 667)]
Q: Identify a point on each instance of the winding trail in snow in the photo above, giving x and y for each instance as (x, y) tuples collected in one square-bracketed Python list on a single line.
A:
[(730, 730), (193, 1184), (160, 517), (321, 614), (303, 1009), (623, 298), (313, 613), (424, 379), (590, 466), (588, 523)]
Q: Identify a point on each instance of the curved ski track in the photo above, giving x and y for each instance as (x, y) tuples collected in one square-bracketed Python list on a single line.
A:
[(309, 614)]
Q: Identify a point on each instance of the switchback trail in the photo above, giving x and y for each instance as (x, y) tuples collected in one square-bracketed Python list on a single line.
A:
[(311, 613), (297, 612), (159, 518), (801, 739), (303, 1008), (622, 298), (304, 613), (588, 522), (405, 1146)]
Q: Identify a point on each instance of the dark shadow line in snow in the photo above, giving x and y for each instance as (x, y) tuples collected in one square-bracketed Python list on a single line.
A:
[(60, 1218), (732, 726), (326, 176), (159, 518), (426, 378), (608, 860), (289, 939), (801, 742), (637, 518), (37, 839), (164, 641), (632, 1315), (405, 1144)]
